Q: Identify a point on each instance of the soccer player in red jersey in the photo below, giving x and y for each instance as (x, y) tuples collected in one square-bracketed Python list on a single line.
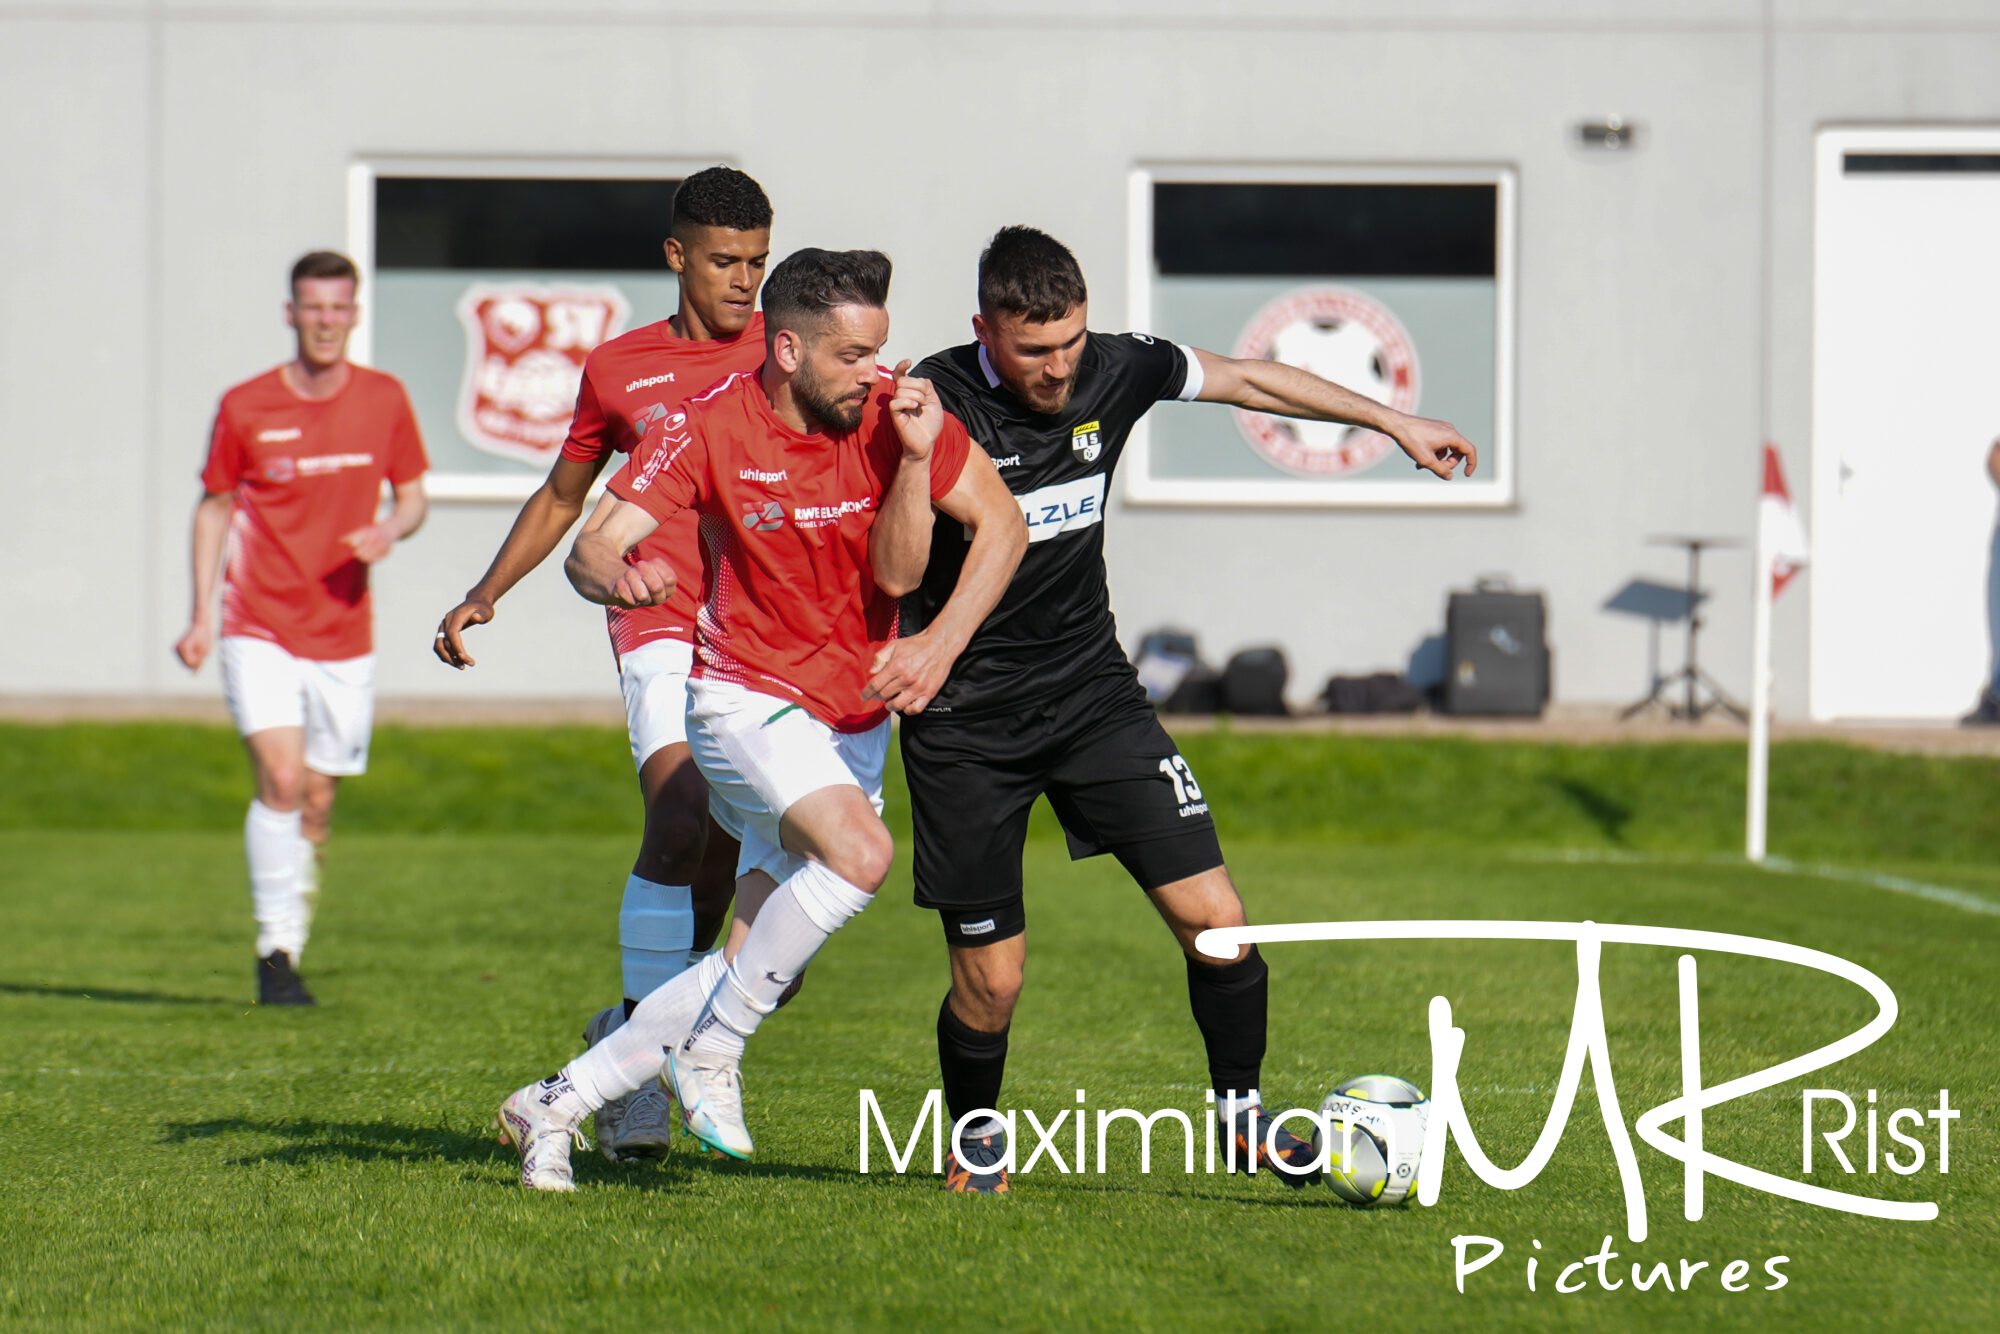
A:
[(633, 386), (292, 491), (814, 479)]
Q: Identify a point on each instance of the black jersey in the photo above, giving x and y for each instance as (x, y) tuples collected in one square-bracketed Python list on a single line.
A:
[(1053, 625)]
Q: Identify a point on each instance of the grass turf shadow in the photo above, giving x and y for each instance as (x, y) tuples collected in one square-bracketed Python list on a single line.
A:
[(309, 1141), (112, 995)]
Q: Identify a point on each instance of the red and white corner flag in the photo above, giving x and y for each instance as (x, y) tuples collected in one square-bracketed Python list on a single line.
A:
[(1781, 554), (1780, 536)]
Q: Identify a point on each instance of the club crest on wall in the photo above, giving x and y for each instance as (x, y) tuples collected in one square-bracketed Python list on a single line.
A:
[(1338, 334), (524, 349)]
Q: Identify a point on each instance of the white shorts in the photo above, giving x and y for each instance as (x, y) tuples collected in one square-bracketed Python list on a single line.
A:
[(334, 702), (761, 754), (653, 678)]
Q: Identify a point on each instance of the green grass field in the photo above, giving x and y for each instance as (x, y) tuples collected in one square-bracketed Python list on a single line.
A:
[(175, 1158)]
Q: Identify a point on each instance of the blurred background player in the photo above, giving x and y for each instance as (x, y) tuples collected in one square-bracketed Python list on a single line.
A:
[(292, 488), (1043, 700), (815, 480), (1986, 713), (634, 385)]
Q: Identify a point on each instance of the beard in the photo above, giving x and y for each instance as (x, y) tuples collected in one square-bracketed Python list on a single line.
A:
[(818, 401), (1047, 400)]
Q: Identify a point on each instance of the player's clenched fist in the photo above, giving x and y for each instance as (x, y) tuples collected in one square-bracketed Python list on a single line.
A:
[(645, 583), (916, 412), (192, 648)]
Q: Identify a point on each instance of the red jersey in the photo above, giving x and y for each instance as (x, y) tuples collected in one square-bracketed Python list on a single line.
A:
[(792, 606), (306, 472), (632, 385)]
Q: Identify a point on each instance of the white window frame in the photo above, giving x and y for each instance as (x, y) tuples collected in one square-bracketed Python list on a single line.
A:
[(1143, 488), (361, 177)]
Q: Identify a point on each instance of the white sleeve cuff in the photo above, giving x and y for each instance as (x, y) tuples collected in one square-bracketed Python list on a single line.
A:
[(1191, 386)]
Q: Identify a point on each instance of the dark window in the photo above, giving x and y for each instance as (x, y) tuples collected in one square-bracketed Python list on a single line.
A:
[(453, 222), (1352, 230), (1918, 164)]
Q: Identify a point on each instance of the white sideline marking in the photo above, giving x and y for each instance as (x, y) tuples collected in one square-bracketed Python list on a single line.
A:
[(1962, 899)]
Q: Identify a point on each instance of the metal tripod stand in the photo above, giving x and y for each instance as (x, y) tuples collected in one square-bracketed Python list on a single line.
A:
[(1700, 695)]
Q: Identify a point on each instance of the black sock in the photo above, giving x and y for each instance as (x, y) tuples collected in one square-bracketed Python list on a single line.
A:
[(972, 1063), (1230, 1002)]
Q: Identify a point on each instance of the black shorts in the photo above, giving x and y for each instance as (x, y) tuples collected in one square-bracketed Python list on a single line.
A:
[(1115, 778)]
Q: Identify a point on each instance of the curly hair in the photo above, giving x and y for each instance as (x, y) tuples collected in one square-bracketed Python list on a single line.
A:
[(720, 197)]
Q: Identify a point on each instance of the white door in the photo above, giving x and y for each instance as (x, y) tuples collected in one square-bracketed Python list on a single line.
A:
[(1906, 403)]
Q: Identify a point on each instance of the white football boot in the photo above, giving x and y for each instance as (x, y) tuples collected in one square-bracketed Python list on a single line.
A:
[(640, 1124), (540, 1135), (711, 1098)]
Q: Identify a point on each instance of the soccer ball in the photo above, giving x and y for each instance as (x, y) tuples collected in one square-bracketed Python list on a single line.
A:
[(1385, 1118)]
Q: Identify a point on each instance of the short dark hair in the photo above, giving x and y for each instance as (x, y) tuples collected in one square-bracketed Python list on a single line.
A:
[(324, 264), (1029, 273), (720, 197), (808, 283)]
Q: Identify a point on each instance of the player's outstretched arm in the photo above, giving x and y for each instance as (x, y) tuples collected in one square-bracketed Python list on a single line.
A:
[(899, 544), (909, 672), (597, 567), (1272, 386), (549, 513), (211, 532)]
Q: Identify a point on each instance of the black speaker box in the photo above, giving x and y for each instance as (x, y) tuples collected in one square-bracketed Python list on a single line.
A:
[(1497, 653)]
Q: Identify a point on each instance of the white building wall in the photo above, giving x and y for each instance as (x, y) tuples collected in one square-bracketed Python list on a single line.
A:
[(165, 163)]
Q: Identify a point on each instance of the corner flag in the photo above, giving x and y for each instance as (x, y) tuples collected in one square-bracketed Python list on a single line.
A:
[(1780, 535), (1781, 554)]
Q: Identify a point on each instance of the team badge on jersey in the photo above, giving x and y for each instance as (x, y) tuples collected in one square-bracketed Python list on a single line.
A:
[(524, 350), (1087, 442), (1340, 335)]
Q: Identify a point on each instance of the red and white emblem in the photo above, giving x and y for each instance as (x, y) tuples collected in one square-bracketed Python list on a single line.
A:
[(1340, 335), (524, 350)]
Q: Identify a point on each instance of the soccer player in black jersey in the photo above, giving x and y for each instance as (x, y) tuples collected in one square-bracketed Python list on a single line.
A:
[(1040, 698)]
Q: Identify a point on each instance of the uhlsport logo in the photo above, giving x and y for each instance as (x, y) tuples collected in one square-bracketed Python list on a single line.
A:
[(524, 349), (1340, 335)]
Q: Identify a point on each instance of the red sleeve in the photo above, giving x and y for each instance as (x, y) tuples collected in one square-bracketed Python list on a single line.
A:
[(226, 456), (589, 430), (666, 473), (948, 456), (407, 461)]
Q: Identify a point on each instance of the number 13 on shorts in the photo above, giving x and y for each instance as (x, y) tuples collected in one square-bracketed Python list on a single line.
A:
[(1177, 772)]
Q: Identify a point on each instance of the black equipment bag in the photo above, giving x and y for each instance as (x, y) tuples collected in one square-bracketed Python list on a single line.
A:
[(1497, 652), (1254, 682), (1175, 677), (1383, 692)]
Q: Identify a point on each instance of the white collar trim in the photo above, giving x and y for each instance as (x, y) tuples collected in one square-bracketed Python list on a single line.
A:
[(992, 377)]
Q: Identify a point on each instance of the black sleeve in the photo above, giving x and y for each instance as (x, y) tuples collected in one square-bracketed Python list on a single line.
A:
[(1155, 368)]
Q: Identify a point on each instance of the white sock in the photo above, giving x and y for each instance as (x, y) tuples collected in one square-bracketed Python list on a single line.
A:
[(798, 918), (633, 1052), (1232, 1105), (655, 931), (276, 851)]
